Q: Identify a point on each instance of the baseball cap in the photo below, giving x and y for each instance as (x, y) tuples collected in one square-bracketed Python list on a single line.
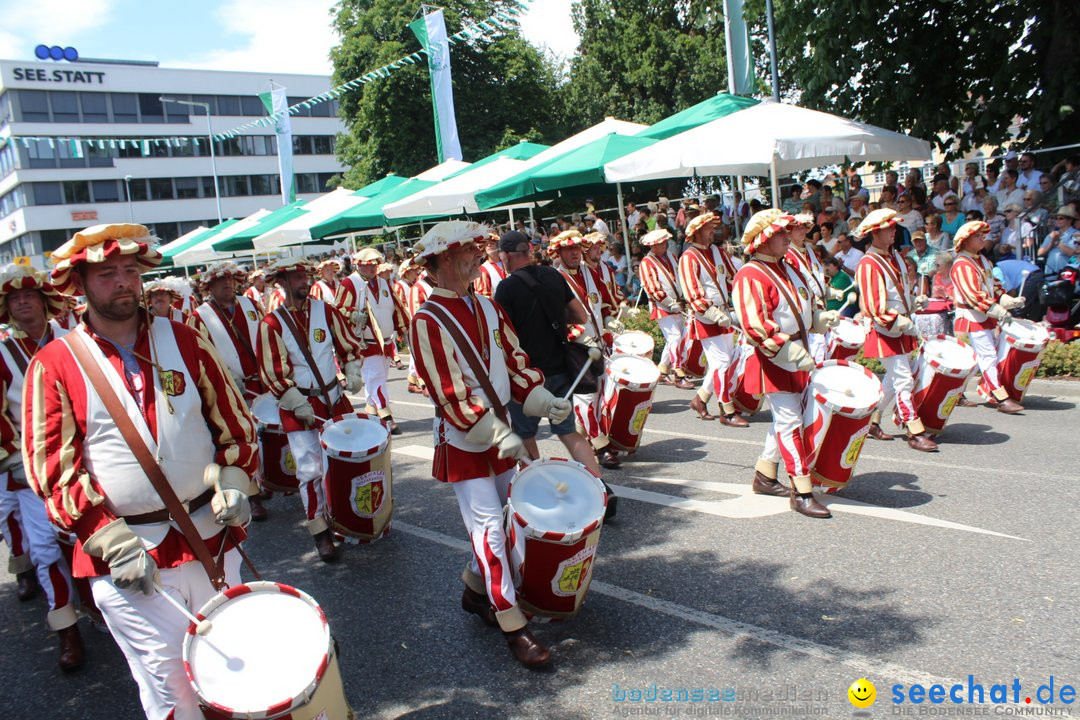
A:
[(510, 241)]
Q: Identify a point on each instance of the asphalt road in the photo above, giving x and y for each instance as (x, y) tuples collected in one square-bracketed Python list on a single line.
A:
[(934, 568)]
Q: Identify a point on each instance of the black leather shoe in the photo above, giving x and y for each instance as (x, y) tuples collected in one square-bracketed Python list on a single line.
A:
[(609, 458), (28, 585), (324, 543), (71, 649), (526, 649), (767, 486), (258, 512), (477, 604)]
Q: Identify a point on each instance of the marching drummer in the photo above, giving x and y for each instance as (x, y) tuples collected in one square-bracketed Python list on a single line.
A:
[(492, 271), (160, 298), (121, 374), (706, 273), (326, 287), (299, 348), (593, 257), (803, 258), (368, 302), (885, 298), (408, 272), (660, 282), (981, 307), (256, 290), (776, 313), (469, 358), (28, 301)]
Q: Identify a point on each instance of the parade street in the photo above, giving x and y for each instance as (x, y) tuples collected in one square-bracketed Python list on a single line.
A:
[(934, 567)]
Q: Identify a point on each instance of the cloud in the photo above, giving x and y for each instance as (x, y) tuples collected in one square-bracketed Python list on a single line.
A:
[(272, 36), (49, 22), (547, 25)]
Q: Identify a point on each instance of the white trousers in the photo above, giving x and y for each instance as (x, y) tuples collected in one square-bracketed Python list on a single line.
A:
[(720, 361), (481, 502), (150, 633), (587, 417), (897, 385), (308, 455), (818, 342), (984, 342), (673, 327), (375, 372), (39, 542), (784, 440)]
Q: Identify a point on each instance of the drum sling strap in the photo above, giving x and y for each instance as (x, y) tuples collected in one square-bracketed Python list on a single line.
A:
[(796, 308), (301, 342), (17, 354), (712, 271), (154, 473), (469, 356), (894, 277)]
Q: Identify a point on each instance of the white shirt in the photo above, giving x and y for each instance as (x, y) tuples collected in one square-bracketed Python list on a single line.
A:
[(939, 200), (850, 259), (1007, 198), (912, 220), (601, 227), (1029, 180)]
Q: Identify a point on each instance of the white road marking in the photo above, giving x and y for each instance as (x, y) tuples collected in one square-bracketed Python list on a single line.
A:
[(416, 451)]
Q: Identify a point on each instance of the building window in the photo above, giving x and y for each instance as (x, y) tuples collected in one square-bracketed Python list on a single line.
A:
[(105, 191), (235, 186), (65, 107), (76, 192), (161, 189), (34, 105), (187, 187), (177, 113), (125, 107), (252, 105), (47, 193), (322, 109), (68, 158), (98, 157), (260, 185), (228, 105), (95, 107), (303, 112), (306, 183), (5, 109), (53, 239), (324, 181), (324, 144), (208, 186), (41, 155), (137, 188), (150, 108)]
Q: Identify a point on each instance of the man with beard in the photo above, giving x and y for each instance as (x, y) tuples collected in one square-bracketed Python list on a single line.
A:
[(594, 244), (160, 300), (121, 398)]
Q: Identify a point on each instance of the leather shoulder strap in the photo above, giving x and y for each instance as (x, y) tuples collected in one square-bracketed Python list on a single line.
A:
[(894, 277), (153, 470), (791, 300), (302, 342), (17, 355)]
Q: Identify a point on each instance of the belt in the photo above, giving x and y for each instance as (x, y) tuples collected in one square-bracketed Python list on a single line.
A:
[(160, 516), (316, 392)]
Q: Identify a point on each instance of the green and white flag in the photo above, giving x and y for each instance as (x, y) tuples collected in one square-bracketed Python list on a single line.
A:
[(740, 64), (275, 102), (430, 30)]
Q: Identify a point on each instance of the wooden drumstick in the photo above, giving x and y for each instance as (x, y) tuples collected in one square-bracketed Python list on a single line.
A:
[(594, 355), (851, 297), (201, 626)]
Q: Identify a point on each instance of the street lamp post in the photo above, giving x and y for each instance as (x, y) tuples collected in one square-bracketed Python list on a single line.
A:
[(210, 138), (127, 186)]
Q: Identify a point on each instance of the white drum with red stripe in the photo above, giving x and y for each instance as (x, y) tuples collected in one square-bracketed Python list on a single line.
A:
[(634, 342), (356, 470), (268, 654), (846, 339), (628, 395), (839, 401), (1020, 351), (553, 517), (276, 464), (941, 370)]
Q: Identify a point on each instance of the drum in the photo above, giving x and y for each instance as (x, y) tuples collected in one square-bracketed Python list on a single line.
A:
[(941, 371), (846, 339), (628, 395), (276, 464), (695, 362), (356, 471), (744, 401), (634, 342), (240, 670), (553, 517), (839, 401), (1020, 351), (67, 541)]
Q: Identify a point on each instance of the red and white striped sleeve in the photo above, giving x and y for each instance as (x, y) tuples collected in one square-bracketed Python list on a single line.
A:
[(439, 369), (968, 286), (755, 299), (873, 293), (482, 284), (9, 425), (275, 369), (346, 344), (523, 377), (401, 316), (690, 268), (194, 320), (650, 280), (347, 298)]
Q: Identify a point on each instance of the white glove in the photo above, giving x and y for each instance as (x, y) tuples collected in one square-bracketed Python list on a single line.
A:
[(231, 487), (921, 302), (825, 319), (294, 401), (587, 341), (493, 432), (672, 305), (904, 325), (541, 403), (999, 313), (129, 563), (793, 352), (718, 316), (614, 326), (832, 293), (360, 319), (354, 381), (1012, 303)]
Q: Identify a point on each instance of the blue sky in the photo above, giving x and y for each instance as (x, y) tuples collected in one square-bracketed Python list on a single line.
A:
[(258, 35)]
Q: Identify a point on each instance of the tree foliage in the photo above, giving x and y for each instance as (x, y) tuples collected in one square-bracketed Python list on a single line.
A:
[(956, 73), (504, 90)]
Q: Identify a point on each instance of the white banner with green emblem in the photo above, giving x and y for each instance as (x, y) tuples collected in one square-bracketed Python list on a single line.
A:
[(276, 102), (430, 30)]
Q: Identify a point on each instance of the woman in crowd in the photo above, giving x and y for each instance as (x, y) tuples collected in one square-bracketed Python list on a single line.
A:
[(974, 186), (935, 237), (952, 218)]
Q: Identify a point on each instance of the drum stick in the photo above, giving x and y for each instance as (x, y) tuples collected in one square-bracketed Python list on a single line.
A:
[(594, 355), (851, 297), (201, 626)]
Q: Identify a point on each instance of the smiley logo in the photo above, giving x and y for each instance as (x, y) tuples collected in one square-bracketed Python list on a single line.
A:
[(862, 693)]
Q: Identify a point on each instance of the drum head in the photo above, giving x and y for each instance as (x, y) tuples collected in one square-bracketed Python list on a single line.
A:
[(950, 353), (354, 436), (558, 496), (633, 342), (840, 385), (850, 332), (265, 648), (265, 410), (1026, 332), (633, 369)]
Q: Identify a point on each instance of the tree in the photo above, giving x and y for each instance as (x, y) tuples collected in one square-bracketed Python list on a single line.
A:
[(503, 90), (642, 60), (956, 73)]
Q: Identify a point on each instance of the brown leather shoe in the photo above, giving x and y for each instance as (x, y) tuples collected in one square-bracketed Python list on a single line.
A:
[(964, 402), (416, 390), (1009, 407), (609, 458), (734, 420), (526, 649), (71, 649), (324, 543), (28, 585), (921, 443), (877, 433), (258, 512), (668, 380), (684, 384), (764, 485), (807, 504), (698, 405), (477, 604)]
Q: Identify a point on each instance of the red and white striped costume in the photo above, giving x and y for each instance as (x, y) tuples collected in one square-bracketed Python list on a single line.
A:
[(608, 276), (706, 274), (589, 289), (460, 402), (491, 274), (27, 527), (233, 333), (402, 289), (760, 294), (273, 299), (974, 292), (419, 293), (659, 279), (813, 272), (256, 296), (885, 296), (325, 290), (282, 365), (374, 299)]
